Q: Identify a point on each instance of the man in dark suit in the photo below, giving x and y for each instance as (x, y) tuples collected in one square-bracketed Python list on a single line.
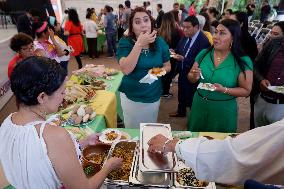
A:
[(25, 21), (188, 48), (160, 15)]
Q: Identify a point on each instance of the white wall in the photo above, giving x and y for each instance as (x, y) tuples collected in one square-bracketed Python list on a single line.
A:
[(82, 5)]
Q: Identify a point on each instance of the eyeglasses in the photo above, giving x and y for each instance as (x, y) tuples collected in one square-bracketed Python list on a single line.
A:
[(28, 47), (274, 33)]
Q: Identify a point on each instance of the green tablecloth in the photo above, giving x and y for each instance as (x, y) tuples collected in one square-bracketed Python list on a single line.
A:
[(136, 132), (114, 85), (101, 39), (100, 123)]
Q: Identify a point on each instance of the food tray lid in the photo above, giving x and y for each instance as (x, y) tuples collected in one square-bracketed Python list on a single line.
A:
[(149, 179), (155, 162)]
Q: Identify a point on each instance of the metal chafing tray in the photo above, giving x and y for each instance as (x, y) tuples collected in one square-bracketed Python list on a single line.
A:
[(133, 145), (149, 179), (155, 162), (211, 185)]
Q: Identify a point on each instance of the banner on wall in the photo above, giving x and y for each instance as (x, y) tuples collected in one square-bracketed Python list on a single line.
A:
[(6, 54), (56, 5)]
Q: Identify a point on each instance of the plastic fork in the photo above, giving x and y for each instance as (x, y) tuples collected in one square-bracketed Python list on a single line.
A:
[(201, 75)]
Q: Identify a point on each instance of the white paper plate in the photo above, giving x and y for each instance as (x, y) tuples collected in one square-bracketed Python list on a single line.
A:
[(126, 135), (277, 89), (206, 86), (158, 75), (103, 137)]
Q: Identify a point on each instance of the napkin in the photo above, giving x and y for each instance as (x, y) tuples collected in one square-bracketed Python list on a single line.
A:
[(149, 78)]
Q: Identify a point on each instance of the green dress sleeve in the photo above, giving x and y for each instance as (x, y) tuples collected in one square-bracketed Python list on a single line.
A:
[(124, 48), (249, 64)]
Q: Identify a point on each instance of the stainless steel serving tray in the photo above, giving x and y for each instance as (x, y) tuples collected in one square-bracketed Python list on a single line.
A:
[(211, 185), (149, 179), (155, 162), (121, 182)]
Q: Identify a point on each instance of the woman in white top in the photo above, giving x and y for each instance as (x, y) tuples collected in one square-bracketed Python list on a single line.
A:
[(91, 28), (35, 152), (256, 154)]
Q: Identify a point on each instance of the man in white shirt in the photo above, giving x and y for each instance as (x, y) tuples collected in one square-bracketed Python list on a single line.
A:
[(91, 28), (256, 154)]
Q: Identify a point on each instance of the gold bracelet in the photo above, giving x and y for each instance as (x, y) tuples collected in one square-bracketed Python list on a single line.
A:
[(226, 90)]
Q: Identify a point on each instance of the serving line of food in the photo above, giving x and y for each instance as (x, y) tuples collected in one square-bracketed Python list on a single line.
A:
[(92, 100), (140, 168)]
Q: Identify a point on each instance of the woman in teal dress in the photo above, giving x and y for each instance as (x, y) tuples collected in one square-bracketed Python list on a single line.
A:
[(229, 70), (137, 53)]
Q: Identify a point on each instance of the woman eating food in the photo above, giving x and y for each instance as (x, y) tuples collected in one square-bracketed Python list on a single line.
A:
[(138, 53)]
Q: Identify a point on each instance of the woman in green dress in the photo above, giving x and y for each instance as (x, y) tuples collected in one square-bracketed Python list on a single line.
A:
[(229, 70)]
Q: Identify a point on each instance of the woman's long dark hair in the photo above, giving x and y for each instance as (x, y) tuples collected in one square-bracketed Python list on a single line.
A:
[(207, 22), (131, 33), (73, 16), (243, 20), (234, 27)]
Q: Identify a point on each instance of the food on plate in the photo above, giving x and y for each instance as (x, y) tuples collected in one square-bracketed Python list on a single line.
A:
[(109, 136), (183, 134), (277, 89), (112, 135), (81, 114), (156, 71), (77, 93), (186, 177), (111, 71), (97, 84), (91, 70), (124, 150), (206, 86), (125, 136), (80, 133)]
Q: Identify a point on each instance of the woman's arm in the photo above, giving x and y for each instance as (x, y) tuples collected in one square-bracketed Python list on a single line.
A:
[(128, 64), (61, 152), (66, 33), (244, 88), (194, 74), (58, 50), (167, 66)]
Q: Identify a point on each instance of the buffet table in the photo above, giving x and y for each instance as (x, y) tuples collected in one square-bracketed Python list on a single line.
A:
[(107, 106), (134, 133)]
